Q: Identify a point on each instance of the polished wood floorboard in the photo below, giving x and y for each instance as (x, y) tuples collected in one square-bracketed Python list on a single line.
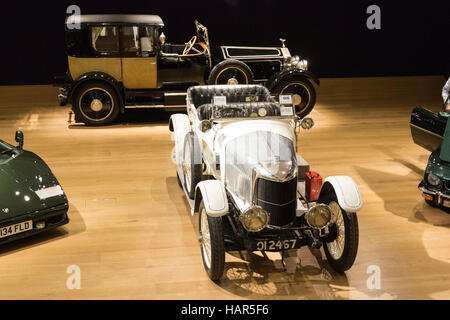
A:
[(132, 236)]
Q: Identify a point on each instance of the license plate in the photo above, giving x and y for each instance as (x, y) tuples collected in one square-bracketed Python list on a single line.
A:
[(446, 203), (276, 245), (16, 228)]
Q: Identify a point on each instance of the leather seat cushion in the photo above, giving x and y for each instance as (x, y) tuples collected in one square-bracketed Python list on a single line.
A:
[(238, 110), (200, 95)]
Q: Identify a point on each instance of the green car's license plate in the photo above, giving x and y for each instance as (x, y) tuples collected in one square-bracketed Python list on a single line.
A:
[(276, 245), (16, 228)]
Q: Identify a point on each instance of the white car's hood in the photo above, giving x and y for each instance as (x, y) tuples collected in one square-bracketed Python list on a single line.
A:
[(230, 130)]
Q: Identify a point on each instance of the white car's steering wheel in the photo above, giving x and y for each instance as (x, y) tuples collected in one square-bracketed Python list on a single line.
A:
[(189, 45)]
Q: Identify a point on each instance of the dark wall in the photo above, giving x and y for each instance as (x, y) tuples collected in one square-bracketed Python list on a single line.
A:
[(332, 35)]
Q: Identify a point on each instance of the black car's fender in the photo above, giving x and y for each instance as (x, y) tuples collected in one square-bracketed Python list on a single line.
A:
[(98, 76), (284, 74)]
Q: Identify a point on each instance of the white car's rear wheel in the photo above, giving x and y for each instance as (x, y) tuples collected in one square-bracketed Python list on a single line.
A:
[(212, 243), (191, 163)]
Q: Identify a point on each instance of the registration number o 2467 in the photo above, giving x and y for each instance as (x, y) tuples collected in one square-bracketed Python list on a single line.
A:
[(275, 245)]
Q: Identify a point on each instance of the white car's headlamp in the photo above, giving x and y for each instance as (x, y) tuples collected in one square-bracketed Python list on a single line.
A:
[(319, 216), (255, 219)]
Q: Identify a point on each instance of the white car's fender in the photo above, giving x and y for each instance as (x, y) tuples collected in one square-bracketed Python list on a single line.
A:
[(214, 197), (179, 124), (346, 190)]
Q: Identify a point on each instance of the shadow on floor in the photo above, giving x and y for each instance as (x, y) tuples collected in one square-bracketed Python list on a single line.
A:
[(135, 118), (307, 274), (260, 277), (415, 210), (76, 225)]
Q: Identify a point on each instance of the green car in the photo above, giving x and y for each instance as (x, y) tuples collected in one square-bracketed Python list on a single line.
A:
[(432, 131), (31, 199)]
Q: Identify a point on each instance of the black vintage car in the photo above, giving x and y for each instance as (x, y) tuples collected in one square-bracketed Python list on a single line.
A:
[(116, 62)]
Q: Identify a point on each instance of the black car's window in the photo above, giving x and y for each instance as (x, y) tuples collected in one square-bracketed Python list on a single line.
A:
[(105, 39), (130, 39), (147, 41)]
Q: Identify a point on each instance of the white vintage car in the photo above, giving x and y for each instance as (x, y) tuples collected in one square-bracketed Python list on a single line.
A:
[(235, 155)]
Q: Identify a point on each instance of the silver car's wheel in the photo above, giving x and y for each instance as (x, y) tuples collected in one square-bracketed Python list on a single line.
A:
[(211, 243)]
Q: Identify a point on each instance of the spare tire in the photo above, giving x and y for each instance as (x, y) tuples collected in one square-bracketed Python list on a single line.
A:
[(231, 72)]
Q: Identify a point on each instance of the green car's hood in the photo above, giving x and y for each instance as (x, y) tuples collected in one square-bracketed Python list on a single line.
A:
[(20, 177), (437, 166)]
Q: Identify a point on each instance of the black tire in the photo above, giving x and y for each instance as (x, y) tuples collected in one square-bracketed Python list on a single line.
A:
[(192, 163), (83, 103), (302, 87), (228, 69), (351, 239), (214, 266)]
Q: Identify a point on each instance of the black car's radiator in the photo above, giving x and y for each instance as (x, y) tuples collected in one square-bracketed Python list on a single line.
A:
[(279, 199)]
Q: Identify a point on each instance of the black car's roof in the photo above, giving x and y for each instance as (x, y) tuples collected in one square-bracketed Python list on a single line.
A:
[(117, 18)]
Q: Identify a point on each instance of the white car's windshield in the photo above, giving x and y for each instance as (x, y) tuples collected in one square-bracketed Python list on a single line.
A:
[(273, 154)]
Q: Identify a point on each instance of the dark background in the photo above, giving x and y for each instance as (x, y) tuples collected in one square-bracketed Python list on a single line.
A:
[(332, 35)]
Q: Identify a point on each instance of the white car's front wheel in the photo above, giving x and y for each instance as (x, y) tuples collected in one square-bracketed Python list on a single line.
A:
[(212, 244), (341, 252)]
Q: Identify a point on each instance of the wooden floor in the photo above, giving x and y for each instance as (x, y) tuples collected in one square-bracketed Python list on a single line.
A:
[(132, 236)]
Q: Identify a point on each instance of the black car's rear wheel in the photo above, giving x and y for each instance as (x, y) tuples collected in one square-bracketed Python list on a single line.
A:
[(96, 103), (212, 243), (231, 72), (303, 94), (341, 252)]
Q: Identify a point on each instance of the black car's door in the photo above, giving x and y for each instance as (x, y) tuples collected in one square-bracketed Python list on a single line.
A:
[(174, 67), (427, 128), (138, 58)]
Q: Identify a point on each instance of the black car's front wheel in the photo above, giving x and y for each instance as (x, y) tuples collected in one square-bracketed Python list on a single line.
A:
[(341, 252), (212, 243), (96, 103), (230, 72), (302, 91)]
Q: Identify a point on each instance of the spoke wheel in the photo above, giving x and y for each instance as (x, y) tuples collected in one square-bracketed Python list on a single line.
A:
[(336, 247), (211, 244), (341, 251)]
